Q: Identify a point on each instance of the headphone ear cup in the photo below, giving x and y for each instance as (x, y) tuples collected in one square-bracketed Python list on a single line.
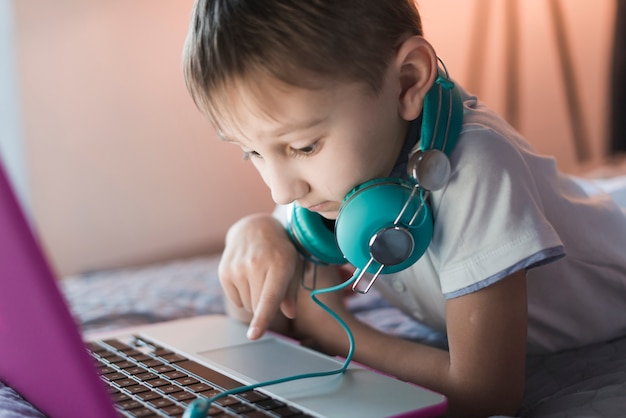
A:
[(373, 207), (313, 238)]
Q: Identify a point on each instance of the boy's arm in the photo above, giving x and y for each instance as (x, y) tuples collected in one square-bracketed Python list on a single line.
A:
[(483, 372)]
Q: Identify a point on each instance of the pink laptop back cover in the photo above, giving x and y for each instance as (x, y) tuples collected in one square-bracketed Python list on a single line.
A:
[(42, 355)]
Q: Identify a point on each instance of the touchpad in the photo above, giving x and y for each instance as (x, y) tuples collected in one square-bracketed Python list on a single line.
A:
[(271, 359)]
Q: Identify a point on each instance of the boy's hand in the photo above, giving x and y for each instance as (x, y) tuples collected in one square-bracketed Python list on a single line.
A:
[(260, 270)]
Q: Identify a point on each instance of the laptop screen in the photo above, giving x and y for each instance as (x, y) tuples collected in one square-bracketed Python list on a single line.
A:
[(42, 355)]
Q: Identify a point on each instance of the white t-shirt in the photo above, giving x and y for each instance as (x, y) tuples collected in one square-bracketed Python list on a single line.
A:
[(507, 208)]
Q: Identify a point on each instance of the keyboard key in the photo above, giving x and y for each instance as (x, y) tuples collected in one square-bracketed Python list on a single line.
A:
[(125, 382), (106, 354), (94, 347), (106, 370), (169, 389), (129, 404), (135, 370), (137, 389), (140, 357), (186, 381), (227, 401), (174, 410), (152, 363), (143, 413), (183, 396), (241, 408), (188, 401), (199, 387), (115, 359), (214, 411), (175, 374), (253, 396), (173, 358), (270, 404), (115, 376), (117, 344), (162, 368), (146, 376), (161, 402), (120, 397), (149, 395), (210, 393), (155, 383), (125, 365), (112, 390)]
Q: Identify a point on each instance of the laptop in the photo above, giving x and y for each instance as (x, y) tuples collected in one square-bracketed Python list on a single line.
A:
[(162, 369)]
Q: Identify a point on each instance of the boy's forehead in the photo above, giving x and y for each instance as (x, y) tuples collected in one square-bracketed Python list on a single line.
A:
[(270, 108)]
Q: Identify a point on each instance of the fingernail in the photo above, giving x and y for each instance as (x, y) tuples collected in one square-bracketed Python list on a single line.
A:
[(252, 333)]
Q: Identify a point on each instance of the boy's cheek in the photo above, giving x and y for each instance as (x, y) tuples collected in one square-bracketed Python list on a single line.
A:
[(264, 177)]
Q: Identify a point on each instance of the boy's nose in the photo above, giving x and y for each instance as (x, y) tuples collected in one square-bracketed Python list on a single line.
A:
[(287, 187)]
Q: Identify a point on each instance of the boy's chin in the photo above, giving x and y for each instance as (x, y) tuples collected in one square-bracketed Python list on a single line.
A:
[(331, 216)]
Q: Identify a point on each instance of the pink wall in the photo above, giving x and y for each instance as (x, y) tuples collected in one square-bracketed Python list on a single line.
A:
[(124, 170)]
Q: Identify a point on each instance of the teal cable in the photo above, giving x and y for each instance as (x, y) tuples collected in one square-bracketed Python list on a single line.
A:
[(200, 407)]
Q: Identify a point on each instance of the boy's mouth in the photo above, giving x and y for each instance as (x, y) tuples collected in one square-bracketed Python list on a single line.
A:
[(325, 208)]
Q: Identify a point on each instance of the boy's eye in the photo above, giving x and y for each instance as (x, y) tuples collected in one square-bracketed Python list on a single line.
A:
[(294, 152), (304, 151), (250, 154)]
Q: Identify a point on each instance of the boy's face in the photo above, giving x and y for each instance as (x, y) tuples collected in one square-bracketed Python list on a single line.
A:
[(314, 146)]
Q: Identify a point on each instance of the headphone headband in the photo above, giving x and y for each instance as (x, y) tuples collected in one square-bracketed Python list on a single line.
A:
[(442, 116)]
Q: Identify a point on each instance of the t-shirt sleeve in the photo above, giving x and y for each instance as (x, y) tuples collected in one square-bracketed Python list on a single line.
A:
[(281, 213), (489, 220)]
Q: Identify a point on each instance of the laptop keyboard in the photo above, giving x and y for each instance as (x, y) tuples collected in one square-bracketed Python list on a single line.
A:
[(146, 380)]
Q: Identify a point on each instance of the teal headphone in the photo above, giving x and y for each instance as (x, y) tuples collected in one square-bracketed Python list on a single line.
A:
[(385, 225)]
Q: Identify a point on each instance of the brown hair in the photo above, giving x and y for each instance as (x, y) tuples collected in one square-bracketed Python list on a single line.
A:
[(291, 40)]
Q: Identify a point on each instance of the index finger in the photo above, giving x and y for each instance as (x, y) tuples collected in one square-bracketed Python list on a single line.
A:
[(275, 291), (264, 313)]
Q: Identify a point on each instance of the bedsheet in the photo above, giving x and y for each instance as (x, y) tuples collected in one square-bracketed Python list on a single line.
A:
[(587, 382)]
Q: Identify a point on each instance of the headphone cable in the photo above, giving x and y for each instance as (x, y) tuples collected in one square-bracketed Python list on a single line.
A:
[(200, 407)]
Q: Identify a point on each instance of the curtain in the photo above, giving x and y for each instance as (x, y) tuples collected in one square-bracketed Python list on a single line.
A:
[(617, 129)]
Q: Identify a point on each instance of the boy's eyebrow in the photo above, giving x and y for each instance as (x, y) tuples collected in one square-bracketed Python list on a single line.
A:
[(280, 132), (302, 126)]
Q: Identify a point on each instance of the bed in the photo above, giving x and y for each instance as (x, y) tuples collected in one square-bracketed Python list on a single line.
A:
[(587, 382)]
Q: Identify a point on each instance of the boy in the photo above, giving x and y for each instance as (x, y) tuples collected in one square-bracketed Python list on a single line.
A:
[(323, 96)]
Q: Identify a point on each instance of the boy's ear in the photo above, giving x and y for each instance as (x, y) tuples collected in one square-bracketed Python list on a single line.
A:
[(417, 66)]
